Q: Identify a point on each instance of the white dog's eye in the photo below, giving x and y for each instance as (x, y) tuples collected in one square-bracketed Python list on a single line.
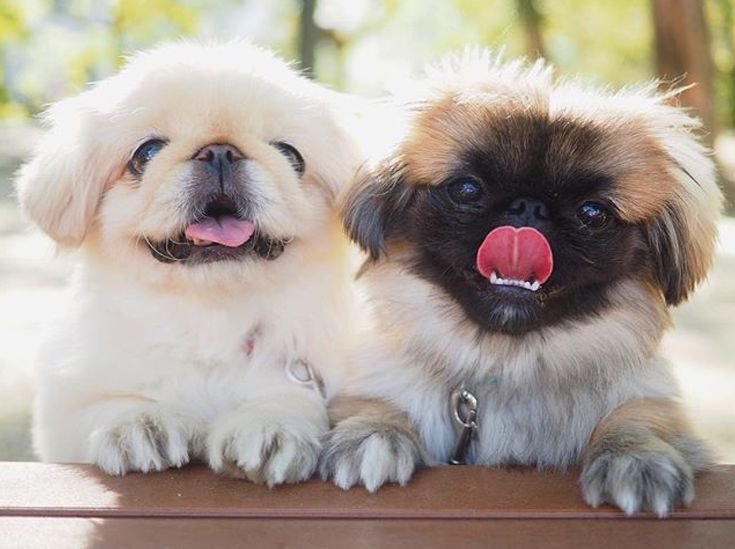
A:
[(293, 156), (144, 154)]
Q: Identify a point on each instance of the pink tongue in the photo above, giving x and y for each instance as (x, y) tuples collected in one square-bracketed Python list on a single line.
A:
[(226, 230), (516, 254)]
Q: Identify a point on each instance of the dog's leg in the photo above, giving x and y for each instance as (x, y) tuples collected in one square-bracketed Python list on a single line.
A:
[(270, 439), (642, 456), (372, 443), (130, 436)]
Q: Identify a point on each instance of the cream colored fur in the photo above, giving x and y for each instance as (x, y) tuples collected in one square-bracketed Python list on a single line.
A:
[(148, 366)]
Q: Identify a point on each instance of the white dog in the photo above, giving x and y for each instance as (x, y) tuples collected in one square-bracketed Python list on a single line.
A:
[(213, 303)]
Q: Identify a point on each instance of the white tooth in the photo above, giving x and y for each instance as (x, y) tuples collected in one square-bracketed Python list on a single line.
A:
[(532, 286)]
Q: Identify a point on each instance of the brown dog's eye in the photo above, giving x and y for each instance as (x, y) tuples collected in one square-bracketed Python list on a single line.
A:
[(465, 191), (292, 155), (144, 154), (593, 214)]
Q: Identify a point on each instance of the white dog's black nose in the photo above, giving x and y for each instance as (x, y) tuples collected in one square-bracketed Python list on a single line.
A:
[(219, 154), (218, 167)]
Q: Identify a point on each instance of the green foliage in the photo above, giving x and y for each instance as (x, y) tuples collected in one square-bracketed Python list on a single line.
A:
[(721, 16), (609, 39), (12, 27), (142, 21), (12, 24)]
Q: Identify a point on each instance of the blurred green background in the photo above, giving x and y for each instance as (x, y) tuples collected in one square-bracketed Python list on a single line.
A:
[(52, 48)]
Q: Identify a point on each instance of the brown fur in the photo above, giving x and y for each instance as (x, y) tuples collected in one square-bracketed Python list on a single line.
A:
[(586, 386), (623, 149), (662, 417)]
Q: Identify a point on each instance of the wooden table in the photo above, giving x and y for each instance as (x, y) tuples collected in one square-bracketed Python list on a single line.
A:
[(58, 506)]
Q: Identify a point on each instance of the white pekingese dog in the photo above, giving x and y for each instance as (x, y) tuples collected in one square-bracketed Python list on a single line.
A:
[(212, 303)]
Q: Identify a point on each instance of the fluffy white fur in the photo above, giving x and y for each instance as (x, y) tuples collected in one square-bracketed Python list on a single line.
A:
[(149, 366)]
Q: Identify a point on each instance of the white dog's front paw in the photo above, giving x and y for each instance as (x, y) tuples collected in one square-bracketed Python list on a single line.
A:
[(656, 478), (147, 441), (263, 444), (363, 451)]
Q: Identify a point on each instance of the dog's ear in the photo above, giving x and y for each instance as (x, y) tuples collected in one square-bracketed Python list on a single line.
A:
[(683, 236), (373, 207), (60, 187)]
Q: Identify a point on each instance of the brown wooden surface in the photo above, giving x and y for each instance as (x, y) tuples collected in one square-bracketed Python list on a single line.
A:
[(59, 506), (138, 533)]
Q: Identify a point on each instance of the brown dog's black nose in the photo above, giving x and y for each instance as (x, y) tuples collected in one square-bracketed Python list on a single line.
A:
[(528, 212), (219, 154)]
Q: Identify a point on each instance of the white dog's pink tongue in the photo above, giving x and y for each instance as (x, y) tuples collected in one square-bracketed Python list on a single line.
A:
[(521, 254), (225, 229)]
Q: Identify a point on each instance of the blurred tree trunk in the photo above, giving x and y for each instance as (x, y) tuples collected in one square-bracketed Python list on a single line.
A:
[(683, 54), (728, 24), (308, 37), (532, 18)]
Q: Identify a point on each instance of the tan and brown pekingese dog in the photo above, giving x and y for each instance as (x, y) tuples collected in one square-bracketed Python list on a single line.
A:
[(527, 238), (212, 306)]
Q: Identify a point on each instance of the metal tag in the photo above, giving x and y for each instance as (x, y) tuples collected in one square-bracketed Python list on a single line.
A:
[(464, 408), (300, 371)]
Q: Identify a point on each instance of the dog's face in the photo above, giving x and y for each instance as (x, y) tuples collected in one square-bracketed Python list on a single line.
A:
[(192, 158), (528, 202)]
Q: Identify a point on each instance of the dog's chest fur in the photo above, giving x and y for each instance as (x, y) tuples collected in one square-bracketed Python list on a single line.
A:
[(199, 353), (539, 397), (535, 423), (531, 425)]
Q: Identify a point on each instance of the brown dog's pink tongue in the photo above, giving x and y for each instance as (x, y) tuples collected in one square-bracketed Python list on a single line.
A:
[(516, 253), (226, 230)]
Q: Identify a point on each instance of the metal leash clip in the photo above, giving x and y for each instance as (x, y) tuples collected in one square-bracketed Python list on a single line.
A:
[(464, 408), (301, 372)]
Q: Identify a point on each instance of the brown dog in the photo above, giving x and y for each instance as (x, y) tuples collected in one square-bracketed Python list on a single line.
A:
[(527, 238)]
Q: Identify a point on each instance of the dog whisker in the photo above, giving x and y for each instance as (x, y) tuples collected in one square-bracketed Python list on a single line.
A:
[(167, 256)]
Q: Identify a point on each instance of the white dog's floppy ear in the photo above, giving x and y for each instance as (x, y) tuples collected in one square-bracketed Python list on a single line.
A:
[(683, 236), (337, 154), (61, 185)]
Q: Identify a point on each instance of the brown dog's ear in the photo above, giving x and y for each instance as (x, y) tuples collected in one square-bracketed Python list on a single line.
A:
[(60, 187), (682, 237), (681, 257), (373, 207)]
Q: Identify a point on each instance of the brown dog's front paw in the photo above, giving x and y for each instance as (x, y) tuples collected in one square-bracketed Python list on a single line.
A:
[(651, 477), (266, 443), (364, 451)]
